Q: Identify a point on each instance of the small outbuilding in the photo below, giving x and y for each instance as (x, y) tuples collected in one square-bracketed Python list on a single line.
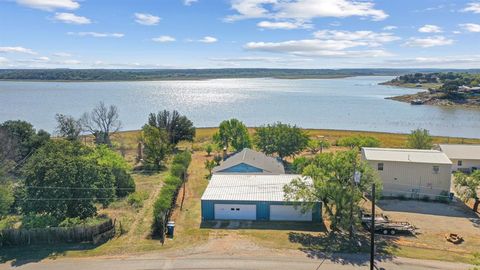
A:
[(250, 161), (464, 157), (253, 197), (411, 173)]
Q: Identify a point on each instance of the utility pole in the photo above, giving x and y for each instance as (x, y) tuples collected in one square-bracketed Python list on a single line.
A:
[(372, 232)]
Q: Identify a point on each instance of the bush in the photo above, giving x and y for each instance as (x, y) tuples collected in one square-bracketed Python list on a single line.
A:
[(183, 158), (9, 222), (33, 221), (73, 222), (136, 199), (168, 194), (177, 170), (299, 164)]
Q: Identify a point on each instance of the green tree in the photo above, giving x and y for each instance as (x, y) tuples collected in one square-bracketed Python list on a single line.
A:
[(420, 139), (178, 127), (68, 127), (314, 146), (61, 180), (358, 142), (209, 165), (6, 199), (102, 122), (116, 164), (332, 175), (25, 136), (156, 146), (281, 139), (232, 133), (467, 187), (8, 153), (209, 149)]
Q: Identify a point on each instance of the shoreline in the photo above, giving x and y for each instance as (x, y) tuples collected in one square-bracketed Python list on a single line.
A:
[(326, 130), (428, 99), (196, 79)]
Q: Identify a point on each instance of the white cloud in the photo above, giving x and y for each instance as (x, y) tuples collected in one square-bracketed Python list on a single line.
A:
[(331, 43), (389, 27), (471, 27), (429, 42), (146, 19), (96, 34), (472, 7), (62, 54), (430, 28), (71, 18), (189, 2), (50, 5), (283, 25), (16, 50), (303, 9), (3, 60), (365, 38), (456, 32), (462, 61), (163, 39), (208, 39)]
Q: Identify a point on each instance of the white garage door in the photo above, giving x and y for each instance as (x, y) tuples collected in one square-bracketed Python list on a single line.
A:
[(288, 212), (236, 211)]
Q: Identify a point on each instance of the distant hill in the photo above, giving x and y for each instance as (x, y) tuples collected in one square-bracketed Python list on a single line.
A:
[(195, 74)]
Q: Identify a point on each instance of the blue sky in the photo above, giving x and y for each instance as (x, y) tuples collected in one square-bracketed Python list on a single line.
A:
[(239, 33)]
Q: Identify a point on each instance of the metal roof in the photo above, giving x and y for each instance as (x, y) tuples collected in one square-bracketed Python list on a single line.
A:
[(461, 151), (405, 155), (248, 187), (253, 158)]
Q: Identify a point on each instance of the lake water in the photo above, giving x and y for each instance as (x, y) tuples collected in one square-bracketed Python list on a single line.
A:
[(356, 103)]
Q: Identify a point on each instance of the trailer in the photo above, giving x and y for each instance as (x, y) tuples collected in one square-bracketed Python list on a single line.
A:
[(385, 226)]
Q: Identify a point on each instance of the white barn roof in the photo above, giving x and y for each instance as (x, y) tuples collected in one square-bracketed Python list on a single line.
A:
[(252, 158), (461, 151), (406, 155), (248, 187)]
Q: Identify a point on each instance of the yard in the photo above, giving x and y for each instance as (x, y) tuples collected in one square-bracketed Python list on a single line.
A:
[(191, 236)]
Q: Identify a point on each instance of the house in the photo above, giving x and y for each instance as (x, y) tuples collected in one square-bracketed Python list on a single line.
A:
[(411, 173), (464, 157), (253, 197), (249, 161)]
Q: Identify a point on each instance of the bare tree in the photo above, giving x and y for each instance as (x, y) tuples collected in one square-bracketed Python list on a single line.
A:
[(102, 122), (68, 127)]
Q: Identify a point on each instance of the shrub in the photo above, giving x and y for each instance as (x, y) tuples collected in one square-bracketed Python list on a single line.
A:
[(177, 170), (32, 221), (136, 199), (183, 158), (73, 222), (299, 164), (9, 222), (168, 194)]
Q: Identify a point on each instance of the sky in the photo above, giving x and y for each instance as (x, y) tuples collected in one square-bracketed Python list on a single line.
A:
[(239, 34)]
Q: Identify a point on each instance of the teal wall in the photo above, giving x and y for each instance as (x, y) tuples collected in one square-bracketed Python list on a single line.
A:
[(263, 209), (242, 168)]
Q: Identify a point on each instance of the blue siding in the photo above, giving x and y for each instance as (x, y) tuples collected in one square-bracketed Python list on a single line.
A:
[(242, 168), (263, 209)]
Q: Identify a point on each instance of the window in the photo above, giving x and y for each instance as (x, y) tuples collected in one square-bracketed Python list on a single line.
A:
[(232, 209), (459, 163), (436, 169), (380, 166), (238, 209)]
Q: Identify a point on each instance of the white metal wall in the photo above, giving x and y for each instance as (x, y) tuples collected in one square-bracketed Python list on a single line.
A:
[(289, 213), (413, 179)]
